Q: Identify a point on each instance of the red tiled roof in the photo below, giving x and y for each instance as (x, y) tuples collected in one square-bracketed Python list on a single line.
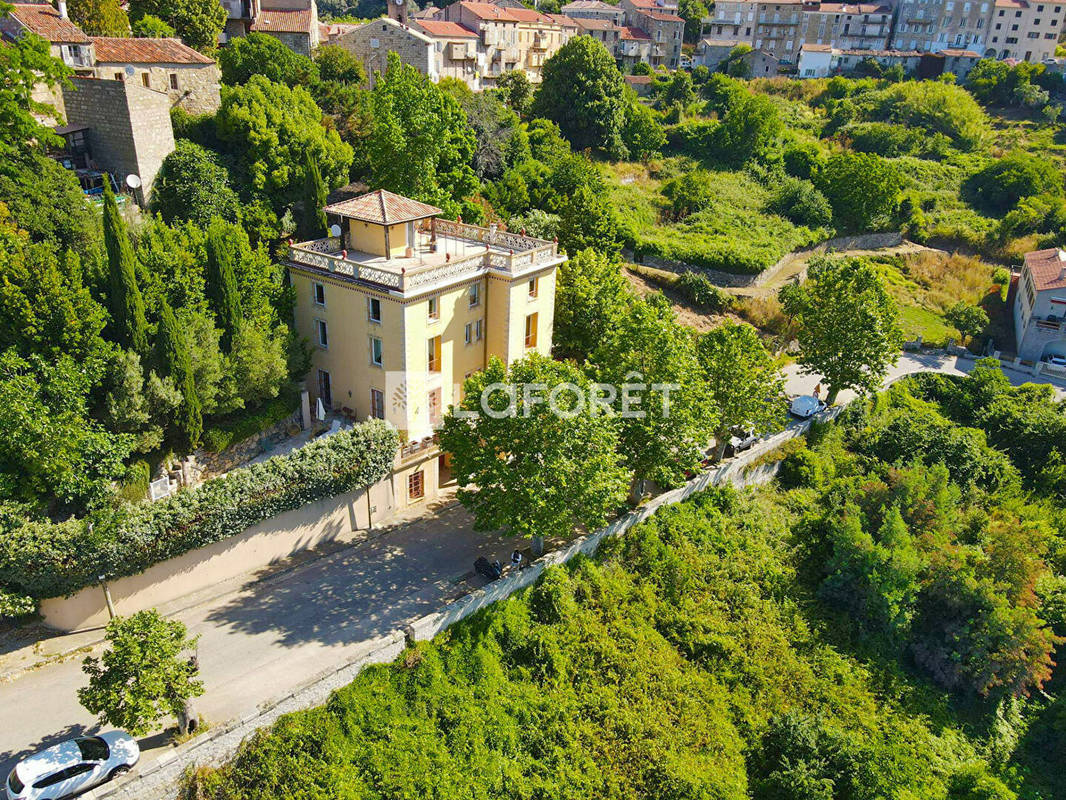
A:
[(1047, 268), (562, 19), (286, 21), (963, 53), (146, 51), (1011, 4), (647, 5), (596, 24), (589, 5), (629, 32), (444, 29), (639, 80), (817, 48), (429, 12), (488, 11), (530, 15), (383, 208), (42, 19)]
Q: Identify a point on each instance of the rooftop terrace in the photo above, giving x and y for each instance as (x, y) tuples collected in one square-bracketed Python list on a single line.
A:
[(444, 252)]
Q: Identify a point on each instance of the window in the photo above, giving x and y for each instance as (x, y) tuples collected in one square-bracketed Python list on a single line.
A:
[(377, 404), (533, 286), (477, 331), (373, 309), (146, 80), (93, 748), (323, 334), (173, 80), (474, 294), (434, 309), (468, 333), (374, 44), (416, 485), (319, 293), (1033, 35), (434, 407), (377, 352), (433, 354), (531, 330), (120, 76)]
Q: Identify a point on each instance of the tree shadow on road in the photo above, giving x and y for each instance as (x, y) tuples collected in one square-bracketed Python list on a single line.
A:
[(365, 590)]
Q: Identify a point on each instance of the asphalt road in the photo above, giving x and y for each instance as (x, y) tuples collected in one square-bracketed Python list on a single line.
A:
[(269, 634)]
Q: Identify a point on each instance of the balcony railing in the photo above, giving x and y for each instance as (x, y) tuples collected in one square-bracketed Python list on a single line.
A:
[(1053, 325), (504, 252)]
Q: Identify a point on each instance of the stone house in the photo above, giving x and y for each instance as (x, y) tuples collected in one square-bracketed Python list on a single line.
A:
[(595, 9), (497, 29), (67, 41), (455, 48), (659, 19), (371, 43), (862, 26), (603, 30), (1040, 305), (127, 126), (188, 77), (634, 47), (1023, 30), (293, 22)]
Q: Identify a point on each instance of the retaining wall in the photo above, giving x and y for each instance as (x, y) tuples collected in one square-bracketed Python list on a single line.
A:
[(335, 519), (733, 280)]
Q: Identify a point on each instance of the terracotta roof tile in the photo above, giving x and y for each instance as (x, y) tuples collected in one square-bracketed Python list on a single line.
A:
[(629, 32), (562, 19), (444, 30), (488, 11), (42, 19), (286, 21), (1047, 268), (638, 80), (589, 5), (146, 51), (383, 208), (596, 24)]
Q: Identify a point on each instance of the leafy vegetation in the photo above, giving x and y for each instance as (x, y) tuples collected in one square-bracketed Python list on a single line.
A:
[(871, 631)]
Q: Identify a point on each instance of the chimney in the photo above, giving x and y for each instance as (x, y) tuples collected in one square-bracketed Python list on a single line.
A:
[(63, 9)]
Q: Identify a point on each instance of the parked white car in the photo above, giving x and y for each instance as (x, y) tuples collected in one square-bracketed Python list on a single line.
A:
[(1056, 361), (740, 439), (72, 767), (806, 406)]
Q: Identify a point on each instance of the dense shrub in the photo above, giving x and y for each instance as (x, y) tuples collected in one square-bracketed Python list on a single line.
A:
[(699, 291), (862, 188), (230, 431), (44, 559), (1000, 185), (885, 139), (800, 202)]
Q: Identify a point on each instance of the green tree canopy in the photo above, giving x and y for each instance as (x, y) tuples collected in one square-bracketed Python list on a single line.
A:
[(665, 431), (743, 382), (337, 64), (99, 17), (419, 144), (534, 472), (149, 27), (583, 92), (197, 22), (127, 306), (262, 54), (193, 184), (26, 64), (517, 91), (863, 189), (849, 328), (750, 128), (222, 284), (587, 219), (591, 295), (175, 357), (142, 678), (999, 186), (272, 130)]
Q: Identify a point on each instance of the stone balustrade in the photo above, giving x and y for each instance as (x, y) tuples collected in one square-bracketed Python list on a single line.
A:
[(523, 253)]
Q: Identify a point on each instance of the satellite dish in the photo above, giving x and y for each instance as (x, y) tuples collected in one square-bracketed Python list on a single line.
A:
[(133, 181), (334, 230), (130, 71)]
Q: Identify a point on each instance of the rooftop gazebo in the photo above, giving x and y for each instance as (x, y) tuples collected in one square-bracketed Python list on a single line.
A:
[(383, 224)]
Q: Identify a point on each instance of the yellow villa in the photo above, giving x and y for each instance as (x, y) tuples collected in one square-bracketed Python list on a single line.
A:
[(402, 306)]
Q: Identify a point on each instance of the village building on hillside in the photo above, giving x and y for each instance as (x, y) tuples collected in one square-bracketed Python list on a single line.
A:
[(401, 306), (189, 78), (1040, 306)]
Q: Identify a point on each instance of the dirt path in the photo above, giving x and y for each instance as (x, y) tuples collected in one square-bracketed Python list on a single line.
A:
[(787, 272)]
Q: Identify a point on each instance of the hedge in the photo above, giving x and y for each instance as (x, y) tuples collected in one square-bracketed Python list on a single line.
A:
[(47, 559)]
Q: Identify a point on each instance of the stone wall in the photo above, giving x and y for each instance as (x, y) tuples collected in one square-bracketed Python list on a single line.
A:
[(733, 280), (371, 44), (198, 84), (129, 126)]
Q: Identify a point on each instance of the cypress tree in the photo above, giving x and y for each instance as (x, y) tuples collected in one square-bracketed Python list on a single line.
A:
[(174, 356), (127, 305), (314, 201), (222, 284)]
